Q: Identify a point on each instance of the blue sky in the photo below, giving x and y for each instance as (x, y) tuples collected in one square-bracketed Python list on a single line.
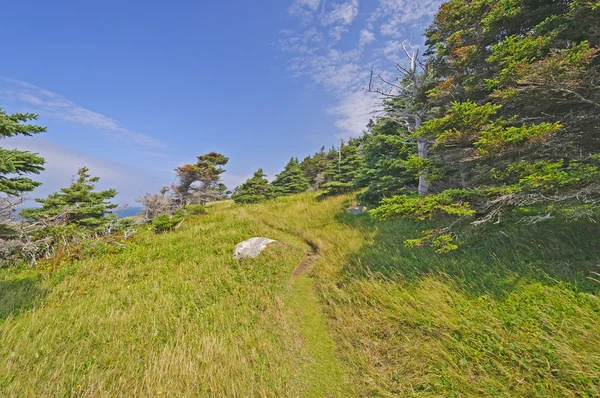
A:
[(133, 89)]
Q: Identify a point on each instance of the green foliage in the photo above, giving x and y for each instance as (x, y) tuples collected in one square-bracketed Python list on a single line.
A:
[(167, 222), (421, 207), (515, 109), (207, 173), (315, 166), (255, 189), (195, 209), (77, 204), (344, 171), (442, 243), (291, 179), (387, 168), (15, 164)]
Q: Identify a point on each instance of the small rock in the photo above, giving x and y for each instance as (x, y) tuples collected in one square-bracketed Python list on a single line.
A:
[(251, 248), (356, 210)]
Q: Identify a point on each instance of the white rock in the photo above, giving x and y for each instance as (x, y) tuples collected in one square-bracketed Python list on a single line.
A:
[(356, 210), (251, 248)]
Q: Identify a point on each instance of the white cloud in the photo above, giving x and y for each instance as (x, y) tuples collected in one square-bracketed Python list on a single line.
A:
[(62, 163), (50, 104), (397, 14), (343, 72), (342, 14), (354, 111), (304, 8), (366, 38)]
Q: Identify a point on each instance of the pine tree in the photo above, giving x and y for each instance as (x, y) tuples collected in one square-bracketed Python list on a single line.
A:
[(255, 189), (387, 170), (343, 172), (315, 166), (77, 204), (291, 179), (207, 172), (16, 163)]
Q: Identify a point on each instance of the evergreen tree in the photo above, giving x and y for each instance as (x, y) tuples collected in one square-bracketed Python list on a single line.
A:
[(343, 172), (202, 180), (387, 170), (514, 112), (255, 189), (314, 167), (291, 179), (77, 204), (14, 164)]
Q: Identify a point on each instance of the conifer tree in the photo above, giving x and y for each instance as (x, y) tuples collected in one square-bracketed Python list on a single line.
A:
[(315, 166), (255, 189), (202, 180), (343, 172), (14, 164), (77, 204), (291, 179), (387, 157)]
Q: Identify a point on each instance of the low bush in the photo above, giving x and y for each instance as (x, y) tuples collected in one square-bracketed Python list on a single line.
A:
[(164, 222), (195, 209)]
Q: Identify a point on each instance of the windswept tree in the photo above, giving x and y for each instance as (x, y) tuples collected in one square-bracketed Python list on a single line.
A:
[(515, 112), (291, 179), (15, 164), (79, 204), (315, 166), (201, 180), (405, 102), (255, 189)]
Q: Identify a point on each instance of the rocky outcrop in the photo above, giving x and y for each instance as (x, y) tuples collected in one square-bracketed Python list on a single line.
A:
[(356, 210), (251, 248)]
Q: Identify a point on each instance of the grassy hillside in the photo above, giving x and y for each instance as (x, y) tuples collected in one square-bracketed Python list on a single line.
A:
[(513, 312)]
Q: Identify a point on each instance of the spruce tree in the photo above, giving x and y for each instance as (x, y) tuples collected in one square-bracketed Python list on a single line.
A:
[(387, 170), (77, 204), (291, 179), (201, 181), (342, 174), (14, 164), (255, 189)]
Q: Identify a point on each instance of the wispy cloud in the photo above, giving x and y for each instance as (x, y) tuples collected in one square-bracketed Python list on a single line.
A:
[(342, 14), (323, 52), (54, 105)]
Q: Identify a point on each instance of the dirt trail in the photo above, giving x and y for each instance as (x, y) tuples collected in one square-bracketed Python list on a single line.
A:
[(309, 259)]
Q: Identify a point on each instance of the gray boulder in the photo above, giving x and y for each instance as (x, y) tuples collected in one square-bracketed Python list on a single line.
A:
[(251, 248), (356, 210)]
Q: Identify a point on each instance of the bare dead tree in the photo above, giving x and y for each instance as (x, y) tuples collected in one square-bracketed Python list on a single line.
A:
[(402, 98)]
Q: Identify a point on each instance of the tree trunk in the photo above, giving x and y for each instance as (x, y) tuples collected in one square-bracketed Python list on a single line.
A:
[(422, 152)]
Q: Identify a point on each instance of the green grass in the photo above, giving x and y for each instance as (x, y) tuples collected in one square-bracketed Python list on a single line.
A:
[(513, 312)]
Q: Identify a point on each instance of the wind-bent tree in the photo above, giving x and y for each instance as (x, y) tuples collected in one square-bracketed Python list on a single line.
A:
[(201, 180), (79, 204), (315, 166), (16, 164), (255, 189), (517, 110), (405, 102), (291, 179)]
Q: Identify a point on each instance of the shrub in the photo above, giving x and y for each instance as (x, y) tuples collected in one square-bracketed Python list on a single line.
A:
[(164, 222), (195, 209)]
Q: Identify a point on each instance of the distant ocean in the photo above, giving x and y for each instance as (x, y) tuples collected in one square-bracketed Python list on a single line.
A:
[(129, 211)]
